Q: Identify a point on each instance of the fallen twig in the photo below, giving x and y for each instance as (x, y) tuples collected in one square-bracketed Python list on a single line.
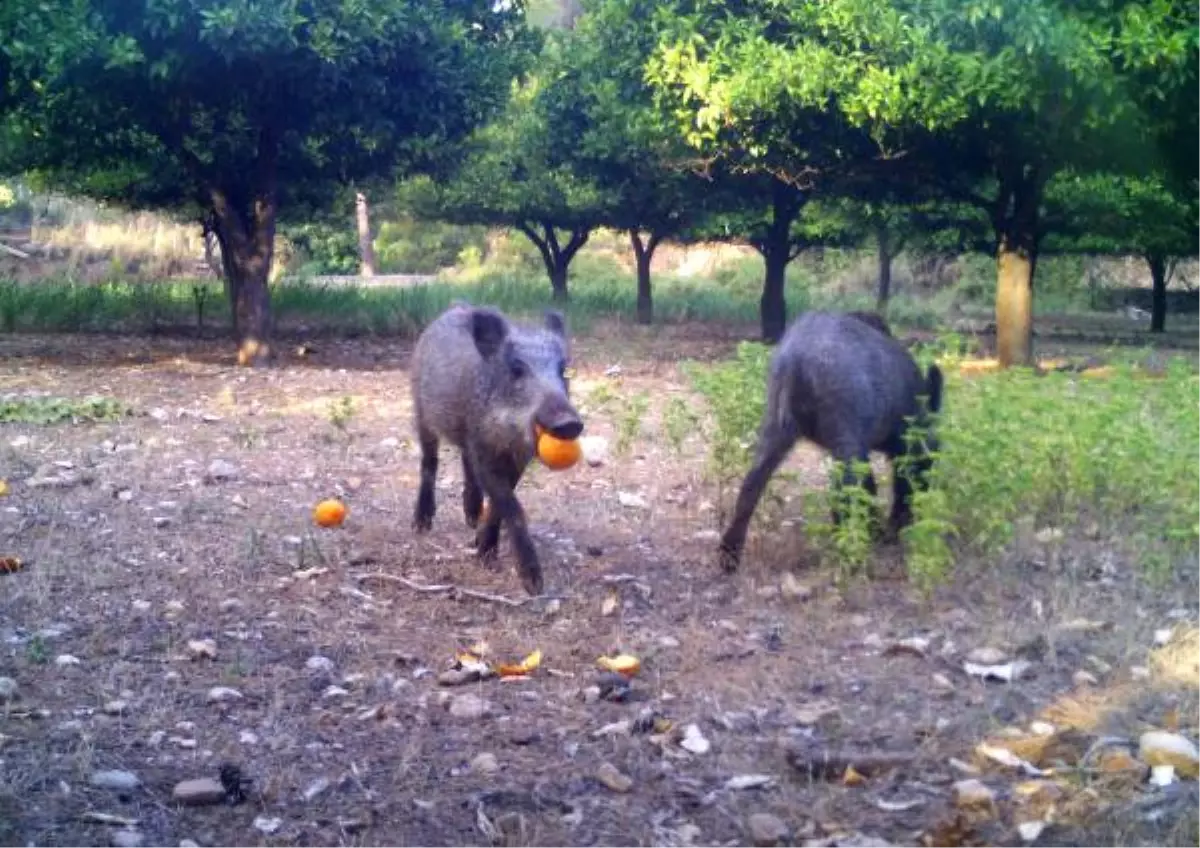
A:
[(449, 588), (351, 592), (823, 764), (107, 818)]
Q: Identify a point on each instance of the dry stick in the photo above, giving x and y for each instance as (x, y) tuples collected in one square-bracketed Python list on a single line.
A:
[(449, 587)]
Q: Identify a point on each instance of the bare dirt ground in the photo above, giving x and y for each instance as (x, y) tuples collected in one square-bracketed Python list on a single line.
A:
[(140, 550)]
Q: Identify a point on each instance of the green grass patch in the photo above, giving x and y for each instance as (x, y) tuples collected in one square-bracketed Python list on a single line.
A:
[(1019, 453), (56, 410)]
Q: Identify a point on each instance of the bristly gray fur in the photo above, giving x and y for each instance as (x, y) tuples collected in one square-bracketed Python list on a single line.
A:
[(849, 386), (480, 381)]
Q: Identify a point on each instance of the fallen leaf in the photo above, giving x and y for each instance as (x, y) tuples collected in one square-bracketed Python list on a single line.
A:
[(749, 781), (1005, 757), (10, 565), (3, 488), (898, 806), (850, 777)]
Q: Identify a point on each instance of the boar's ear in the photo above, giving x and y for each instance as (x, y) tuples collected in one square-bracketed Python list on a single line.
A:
[(489, 331), (554, 323)]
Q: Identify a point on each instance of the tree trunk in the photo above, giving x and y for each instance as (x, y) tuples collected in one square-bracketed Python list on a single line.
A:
[(366, 251), (557, 258), (1158, 305), (1016, 263), (246, 233), (643, 252), (777, 251), (883, 243)]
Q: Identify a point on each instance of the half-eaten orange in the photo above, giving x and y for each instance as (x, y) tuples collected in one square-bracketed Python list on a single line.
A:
[(558, 454)]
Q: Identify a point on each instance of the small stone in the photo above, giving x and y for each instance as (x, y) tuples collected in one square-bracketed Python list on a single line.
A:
[(248, 737), (792, 589), (116, 707), (188, 843), (1162, 636), (591, 694), (594, 448), (267, 824), (987, 656), (943, 682), (121, 781), (693, 740), (613, 779), (173, 607), (8, 689), (316, 788), (161, 521), (749, 781), (140, 605), (334, 692), (319, 664), (1160, 748), (65, 660), (223, 694), (198, 792), (1042, 728), (1084, 678), (629, 500), (220, 469), (1139, 672), (973, 793), (766, 830), (201, 649), (469, 707), (127, 837), (156, 738), (485, 763), (1031, 830), (230, 604), (524, 736)]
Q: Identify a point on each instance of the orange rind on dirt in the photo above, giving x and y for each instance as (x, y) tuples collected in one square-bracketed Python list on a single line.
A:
[(523, 668), (625, 664)]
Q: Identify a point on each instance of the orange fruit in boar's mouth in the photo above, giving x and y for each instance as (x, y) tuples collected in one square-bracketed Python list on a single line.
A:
[(555, 453), (329, 513)]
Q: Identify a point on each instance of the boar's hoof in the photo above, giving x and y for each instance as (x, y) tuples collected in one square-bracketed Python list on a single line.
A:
[(531, 580), (729, 558)]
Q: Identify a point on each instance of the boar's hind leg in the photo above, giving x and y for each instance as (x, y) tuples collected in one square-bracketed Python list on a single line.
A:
[(773, 445), (426, 505), (472, 495), (499, 481)]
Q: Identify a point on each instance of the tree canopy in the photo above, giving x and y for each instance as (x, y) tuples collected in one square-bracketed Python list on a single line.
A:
[(986, 99), (244, 112)]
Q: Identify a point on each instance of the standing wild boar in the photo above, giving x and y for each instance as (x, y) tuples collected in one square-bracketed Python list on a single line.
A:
[(481, 383), (846, 384)]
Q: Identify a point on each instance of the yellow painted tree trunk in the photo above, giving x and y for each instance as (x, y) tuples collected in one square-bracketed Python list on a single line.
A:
[(1014, 306)]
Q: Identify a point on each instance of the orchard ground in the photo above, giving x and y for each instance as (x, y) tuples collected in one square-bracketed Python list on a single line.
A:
[(190, 519)]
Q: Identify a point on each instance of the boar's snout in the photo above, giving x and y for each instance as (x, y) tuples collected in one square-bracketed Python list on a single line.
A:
[(560, 419)]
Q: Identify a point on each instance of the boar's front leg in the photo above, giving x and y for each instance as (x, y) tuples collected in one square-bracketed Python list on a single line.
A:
[(472, 495), (498, 478)]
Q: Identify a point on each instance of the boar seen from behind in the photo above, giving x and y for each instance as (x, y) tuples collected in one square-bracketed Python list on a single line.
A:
[(482, 383), (847, 385)]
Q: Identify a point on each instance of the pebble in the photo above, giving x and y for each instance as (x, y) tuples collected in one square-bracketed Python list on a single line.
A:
[(485, 763), (127, 837), (794, 590), (987, 656), (1084, 678), (248, 737), (223, 694), (202, 649), (121, 781), (188, 843), (469, 706), (766, 830), (973, 793), (116, 707), (267, 824), (613, 779), (64, 660), (316, 788), (319, 664), (198, 792), (693, 740), (221, 469), (8, 689)]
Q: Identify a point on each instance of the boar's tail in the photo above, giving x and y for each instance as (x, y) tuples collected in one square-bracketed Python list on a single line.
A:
[(934, 383)]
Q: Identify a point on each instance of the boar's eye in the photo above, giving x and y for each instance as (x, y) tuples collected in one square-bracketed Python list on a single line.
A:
[(517, 368)]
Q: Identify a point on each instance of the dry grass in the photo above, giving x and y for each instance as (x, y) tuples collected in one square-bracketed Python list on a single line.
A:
[(124, 571)]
